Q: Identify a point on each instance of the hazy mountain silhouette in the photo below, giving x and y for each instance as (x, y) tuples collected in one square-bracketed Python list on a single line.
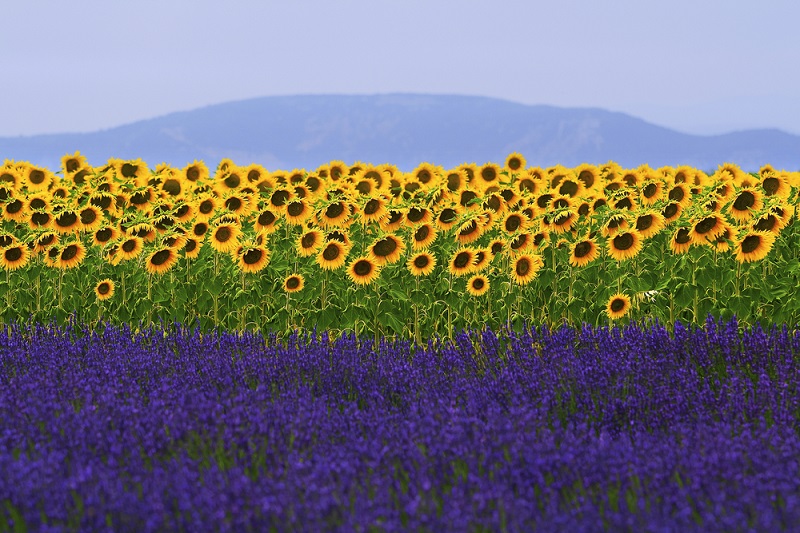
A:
[(286, 132)]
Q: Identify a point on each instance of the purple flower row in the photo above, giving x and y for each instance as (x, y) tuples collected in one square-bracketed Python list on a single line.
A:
[(639, 428)]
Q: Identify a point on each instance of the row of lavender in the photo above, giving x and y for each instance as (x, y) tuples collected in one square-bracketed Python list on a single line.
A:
[(633, 428)]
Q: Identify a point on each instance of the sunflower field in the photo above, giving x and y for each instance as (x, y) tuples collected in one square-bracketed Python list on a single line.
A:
[(366, 248), (493, 347)]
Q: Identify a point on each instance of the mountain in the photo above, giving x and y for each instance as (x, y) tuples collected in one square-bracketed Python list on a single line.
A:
[(287, 132)]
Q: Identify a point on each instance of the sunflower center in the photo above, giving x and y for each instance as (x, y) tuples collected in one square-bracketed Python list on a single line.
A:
[(670, 210), (467, 197), (421, 261), (191, 244), (568, 188), (650, 190), (266, 218), (644, 222), (468, 228), (447, 215), (478, 283), (766, 224), (544, 200), (385, 247), (415, 214), (706, 225), (682, 237), (677, 194), (279, 197), (161, 257), (232, 181), (40, 219), (104, 288), (46, 240), (66, 219), (744, 201), (617, 305), (462, 259), (523, 266), (192, 173), (13, 254), (295, 209), (514, 163), (331, 252), (103, 235), (362, 268), (252, 256), (771, 185), (128, 170), (422, 233), (751, 243), (488, 174), (141, 197), (206, 206), (513, 223), (69, 252), (36, 176), (334, 210), (372, 207), (223, 234), (582, 249), (309, 240), (293, 282), (88, 216), (14, 207), (233, 204), (623, 241)]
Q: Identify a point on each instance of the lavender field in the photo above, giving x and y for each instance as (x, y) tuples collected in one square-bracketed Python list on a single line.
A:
[(630, 428)]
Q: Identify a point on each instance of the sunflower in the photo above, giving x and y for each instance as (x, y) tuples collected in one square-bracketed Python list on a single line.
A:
[(497, 246), (478, 285), (266, 221), (205, 207), (294, 283), (486, 176), (618, 306), (774, 221), (651, 192), (446, 218), (14, 256), (679, 193), (588, 175), (774, 184), (482, 258), (44, 240), (746, 202), (515, 162), (104, 235), (722, 242), (753, 246), (524, 268), (237, 204), (40, 220), (681, 241), (253, 259), (671, 212), (71, 255), (363, 270), (104, 289), (386, 250), (421, 264), (649, 224), (90, 218), (192, 248), (332, 255), (373, 209), (707, 229), (393, 220), (161, 260), (71, 164), (514, 222), (225, 237), (583, 252), (469, 231), (309, 242), (461, 262), (15, 210), (624, 245), (297, 211), (130, 247), (335, 214), (456, 180), (423, 236)]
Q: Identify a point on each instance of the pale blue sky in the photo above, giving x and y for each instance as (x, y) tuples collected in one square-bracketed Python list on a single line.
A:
[(699, 66)]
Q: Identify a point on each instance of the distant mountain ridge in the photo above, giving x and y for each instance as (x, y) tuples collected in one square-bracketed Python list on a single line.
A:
[(287, 132)]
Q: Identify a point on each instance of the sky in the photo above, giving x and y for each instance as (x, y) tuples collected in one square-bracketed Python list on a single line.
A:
[(697, 66)]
